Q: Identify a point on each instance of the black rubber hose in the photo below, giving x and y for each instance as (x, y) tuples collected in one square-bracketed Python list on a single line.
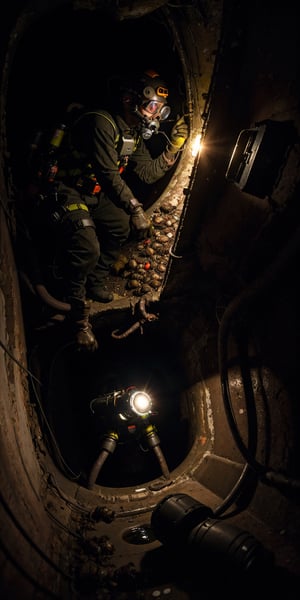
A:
[(96, 468), (162, 461)]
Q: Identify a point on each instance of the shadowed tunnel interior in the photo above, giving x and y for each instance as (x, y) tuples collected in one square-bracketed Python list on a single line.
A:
[(57, 75), (72, 381), (63, 58), (220, 358)]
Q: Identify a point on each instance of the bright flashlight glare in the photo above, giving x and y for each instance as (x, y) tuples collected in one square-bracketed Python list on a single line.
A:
[(196, 145), (140, 403)]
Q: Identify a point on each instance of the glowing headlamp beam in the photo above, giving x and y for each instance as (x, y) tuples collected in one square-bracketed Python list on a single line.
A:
[(140, 403)]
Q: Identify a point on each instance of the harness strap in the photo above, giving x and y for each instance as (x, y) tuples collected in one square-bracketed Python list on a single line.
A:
[(70, 226), (87, 223), (102, 113), (79, 223), (61, 211)]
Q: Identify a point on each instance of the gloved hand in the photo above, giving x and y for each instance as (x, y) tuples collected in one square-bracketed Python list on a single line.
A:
[(139, 222), (178, 136)]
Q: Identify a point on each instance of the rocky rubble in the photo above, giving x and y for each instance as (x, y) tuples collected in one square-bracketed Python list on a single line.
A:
[(142, 265)]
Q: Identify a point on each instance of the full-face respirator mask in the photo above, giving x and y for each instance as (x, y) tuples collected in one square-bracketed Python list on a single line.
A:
[(151, 104)]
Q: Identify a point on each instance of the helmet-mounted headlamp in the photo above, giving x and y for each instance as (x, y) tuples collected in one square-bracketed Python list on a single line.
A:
[(154, 95)]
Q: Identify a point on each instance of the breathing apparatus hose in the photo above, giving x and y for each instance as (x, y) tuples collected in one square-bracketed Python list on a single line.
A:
[(50, 300), (162, 461), (108, 446), (96, 468), (153, 442), (45, 296)]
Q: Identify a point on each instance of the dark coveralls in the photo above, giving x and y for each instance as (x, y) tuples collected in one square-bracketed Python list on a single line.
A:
[(93, 227)]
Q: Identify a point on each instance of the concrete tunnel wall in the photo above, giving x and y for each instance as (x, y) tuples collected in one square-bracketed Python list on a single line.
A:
[(23, 455)]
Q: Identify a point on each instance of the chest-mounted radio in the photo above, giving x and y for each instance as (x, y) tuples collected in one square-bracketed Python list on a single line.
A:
[(126, 144)]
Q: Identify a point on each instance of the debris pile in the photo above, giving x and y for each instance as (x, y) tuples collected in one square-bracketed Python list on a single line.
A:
[(144, 264)]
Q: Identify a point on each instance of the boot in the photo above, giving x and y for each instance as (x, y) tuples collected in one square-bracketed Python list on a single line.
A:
[(96, 288), (100, 295), (79, 316)]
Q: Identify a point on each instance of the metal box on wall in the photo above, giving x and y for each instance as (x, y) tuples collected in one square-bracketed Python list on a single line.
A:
[(258, 157)]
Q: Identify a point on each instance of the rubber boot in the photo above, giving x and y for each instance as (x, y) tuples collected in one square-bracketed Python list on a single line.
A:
[(79, 316)]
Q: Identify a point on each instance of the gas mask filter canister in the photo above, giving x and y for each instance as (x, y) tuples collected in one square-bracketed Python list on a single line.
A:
[(149, 127)]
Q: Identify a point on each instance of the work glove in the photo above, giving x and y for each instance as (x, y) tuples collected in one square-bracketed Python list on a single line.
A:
[(139, 222), (178, 136)]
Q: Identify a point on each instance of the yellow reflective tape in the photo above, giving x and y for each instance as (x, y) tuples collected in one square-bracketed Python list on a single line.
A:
[(77, 207)]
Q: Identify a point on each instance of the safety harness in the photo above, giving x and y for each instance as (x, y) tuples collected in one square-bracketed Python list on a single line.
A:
[(79, 174), (63, 162)]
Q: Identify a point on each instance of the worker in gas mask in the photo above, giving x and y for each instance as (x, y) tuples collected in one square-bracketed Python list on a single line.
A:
[(95, 210)]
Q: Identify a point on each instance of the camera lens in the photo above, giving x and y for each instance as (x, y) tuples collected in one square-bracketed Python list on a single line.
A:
[(180, 522)]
